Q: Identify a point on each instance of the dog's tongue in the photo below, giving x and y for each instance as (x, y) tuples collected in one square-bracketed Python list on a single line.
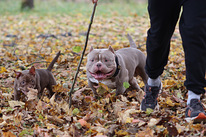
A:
[(100, 76)]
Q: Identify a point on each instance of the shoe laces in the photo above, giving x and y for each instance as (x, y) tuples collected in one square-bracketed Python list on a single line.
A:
[(196, 105), (151, 96)]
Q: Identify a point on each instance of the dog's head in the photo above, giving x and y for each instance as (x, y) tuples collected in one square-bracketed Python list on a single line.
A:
[(101, 63), (25, 79)]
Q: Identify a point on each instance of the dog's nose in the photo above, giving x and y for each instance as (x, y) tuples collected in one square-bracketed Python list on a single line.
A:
[(99, 65), (30, 86)]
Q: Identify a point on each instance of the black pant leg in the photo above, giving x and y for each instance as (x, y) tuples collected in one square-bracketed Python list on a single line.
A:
[(193, 33), (164, 15)]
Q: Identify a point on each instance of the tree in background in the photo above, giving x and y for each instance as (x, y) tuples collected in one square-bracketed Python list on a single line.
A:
[(27, 4)]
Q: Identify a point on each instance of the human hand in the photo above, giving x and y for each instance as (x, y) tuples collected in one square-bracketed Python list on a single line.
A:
[(94, 1)]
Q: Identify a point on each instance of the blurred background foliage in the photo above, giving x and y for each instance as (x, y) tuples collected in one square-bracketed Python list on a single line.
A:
[(106, 8)]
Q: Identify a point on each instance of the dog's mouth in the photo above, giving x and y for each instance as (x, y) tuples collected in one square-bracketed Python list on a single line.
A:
[(100, 75), (23, 90)]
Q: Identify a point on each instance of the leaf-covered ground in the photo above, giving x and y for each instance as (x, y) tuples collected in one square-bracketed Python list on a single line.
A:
[(34, 40)]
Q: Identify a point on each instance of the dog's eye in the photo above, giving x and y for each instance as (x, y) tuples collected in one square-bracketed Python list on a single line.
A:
[(32, 81), (92, 60), (23, 82), (105, 60)]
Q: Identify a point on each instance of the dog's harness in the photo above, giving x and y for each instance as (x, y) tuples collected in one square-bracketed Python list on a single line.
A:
[(118, 67)]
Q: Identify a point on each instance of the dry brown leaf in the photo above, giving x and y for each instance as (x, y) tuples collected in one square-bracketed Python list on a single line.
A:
[(55, 119), (153, 122), (124, 116), (32, 94), (8, 134), (146, 133), (13, 103)]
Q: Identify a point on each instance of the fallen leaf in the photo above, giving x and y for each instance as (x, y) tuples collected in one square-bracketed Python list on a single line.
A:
[(149, 111), (153, 122), (84, 123), (32, 94), (3, 69), (8, 134), (146, 133), (169, 102), (121, 133), (13, 103), (126, 85), (75, 111)]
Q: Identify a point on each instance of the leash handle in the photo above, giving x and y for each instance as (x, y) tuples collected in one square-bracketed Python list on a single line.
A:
[(83, 52)]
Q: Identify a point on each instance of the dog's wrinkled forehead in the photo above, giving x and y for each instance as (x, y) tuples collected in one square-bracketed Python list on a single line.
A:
[(26, 76), (101, 53)]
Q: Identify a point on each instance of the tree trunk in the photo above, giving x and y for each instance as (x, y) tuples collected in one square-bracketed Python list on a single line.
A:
[(27, 4)]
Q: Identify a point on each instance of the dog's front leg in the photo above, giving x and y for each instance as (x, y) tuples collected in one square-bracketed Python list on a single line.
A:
[(133, 84), (38, 87), (120, 90), (92, 86), (16, 94)]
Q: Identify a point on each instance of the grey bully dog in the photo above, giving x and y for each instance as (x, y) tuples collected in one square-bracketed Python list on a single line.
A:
[(113, 68), (36, 79)]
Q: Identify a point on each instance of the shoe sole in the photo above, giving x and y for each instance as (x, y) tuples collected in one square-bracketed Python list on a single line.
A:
[(198, 119)]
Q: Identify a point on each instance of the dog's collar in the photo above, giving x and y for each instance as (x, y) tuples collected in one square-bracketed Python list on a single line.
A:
[(118, 67)]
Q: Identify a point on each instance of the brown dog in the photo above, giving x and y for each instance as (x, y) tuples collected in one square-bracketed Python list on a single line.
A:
[(35, 78), (113, 68)]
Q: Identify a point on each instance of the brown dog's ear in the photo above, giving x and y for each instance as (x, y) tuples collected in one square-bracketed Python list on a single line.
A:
[(18, 74), (91, 49), (111, 49), (32, 70)]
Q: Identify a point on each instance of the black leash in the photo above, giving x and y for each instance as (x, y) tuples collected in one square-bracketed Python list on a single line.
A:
[(85, 46)]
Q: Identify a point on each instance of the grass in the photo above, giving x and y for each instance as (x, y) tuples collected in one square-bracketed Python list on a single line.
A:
[(52, 7)]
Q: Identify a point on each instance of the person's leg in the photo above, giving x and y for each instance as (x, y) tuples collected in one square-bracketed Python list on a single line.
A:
[(163, 18), (164, 15), (193, 33)]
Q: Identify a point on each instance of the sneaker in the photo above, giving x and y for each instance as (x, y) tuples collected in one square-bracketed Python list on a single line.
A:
[(150, 98), (195, 112)]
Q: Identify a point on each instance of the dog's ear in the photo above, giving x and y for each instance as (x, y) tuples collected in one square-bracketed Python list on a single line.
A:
[(32, 70), (111, 49), (91, 49), (18, 74)]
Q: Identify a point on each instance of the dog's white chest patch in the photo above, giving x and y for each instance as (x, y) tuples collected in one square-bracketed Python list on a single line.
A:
[(107, 82), (93, 80)]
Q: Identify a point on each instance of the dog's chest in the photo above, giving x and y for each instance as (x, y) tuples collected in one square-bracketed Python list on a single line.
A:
[(108, 82)]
